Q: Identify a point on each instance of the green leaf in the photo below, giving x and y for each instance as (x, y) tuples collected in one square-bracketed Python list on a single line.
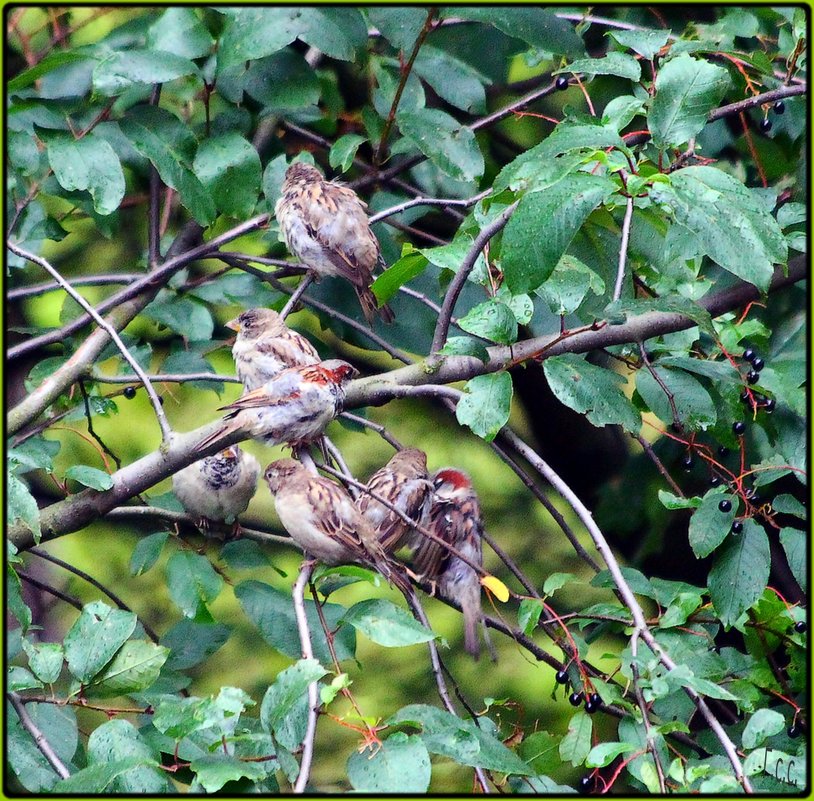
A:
[(543, 226), (555, 582), (338, 32), (461, 740), (14, 599), (146, 552), (386, 624), (675, 304), (170, 146), (411, 264), (118, 740), (35, 453), (180, 717), (45, 659), (709, 525), (693, 405), (402, 762), (794, 544), (343, 151), (52, 61), (273, 614), (740, 572), (244, 554), (486, 404), (621, 64), (89, 165), (94, 638), (192, 582), (453, 80), (576, 745), (540, 27), (492, 320), (252, 33), (134, 668), (569, 283), (764, 723), (229, 169), (190, 642), (284, 710), (213, 771), (452, 147), (184, 315), (90, 477), (540, 750), (20, 505), (400, 25), (644, 42), (120, 69), (528, 615), (672, 502), (98, 778), (283, 82), (180, 31), (188, 361), (687, 89), (592, 391), (19, 678), (604, 753), (465, 346), (730, 224), (621, 110)]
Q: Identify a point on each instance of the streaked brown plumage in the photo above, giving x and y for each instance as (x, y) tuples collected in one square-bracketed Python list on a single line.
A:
[(325, 225), (293, 407), (322, 519), (455, 517), (265, 346), (404, 482)]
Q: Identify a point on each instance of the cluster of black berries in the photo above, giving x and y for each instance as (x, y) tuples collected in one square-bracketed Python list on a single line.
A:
[(766, 124), (592, 701), (755, 399)]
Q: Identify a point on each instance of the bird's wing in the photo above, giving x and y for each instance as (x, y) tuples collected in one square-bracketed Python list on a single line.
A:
[(257, 398), (338, 520)]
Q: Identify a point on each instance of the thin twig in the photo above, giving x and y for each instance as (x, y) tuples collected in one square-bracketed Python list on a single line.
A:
[(620, 271), (164, 378), (406, 69), (39, 738), (457, 283), (648, 449), (95, 583), (89, 280), (41, 585), (630, 599), (379, 429), (428, 201), (166, 431), (296, 295), (154, 204), (298, 596), (91, 431), (637, 692)]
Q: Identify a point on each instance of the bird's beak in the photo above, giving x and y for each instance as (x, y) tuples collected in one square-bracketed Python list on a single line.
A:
[(233, 324)]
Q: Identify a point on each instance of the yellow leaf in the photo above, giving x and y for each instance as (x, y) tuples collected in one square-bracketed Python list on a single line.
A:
[(496, 587)]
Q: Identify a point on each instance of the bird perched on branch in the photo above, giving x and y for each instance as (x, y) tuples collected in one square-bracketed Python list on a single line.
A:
[(218, 488), (404, 482), (293, 407), (325, 225), (455, 517), (265, 346), (322, 519)]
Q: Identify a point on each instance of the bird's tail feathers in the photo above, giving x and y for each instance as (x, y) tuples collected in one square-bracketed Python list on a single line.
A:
[(370, 307)]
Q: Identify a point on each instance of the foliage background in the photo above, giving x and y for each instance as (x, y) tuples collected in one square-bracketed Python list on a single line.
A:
[(249, 89)]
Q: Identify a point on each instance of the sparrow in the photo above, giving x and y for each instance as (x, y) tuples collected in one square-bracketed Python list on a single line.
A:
[(455, 517), (265, 346), (323, 520), (324, 224), (218, 488), (293, 407), (404, 482)]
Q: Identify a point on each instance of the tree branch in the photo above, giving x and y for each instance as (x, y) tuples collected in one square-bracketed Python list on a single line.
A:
[(39, 738)]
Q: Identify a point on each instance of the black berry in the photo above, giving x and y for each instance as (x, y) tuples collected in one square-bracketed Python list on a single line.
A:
[(749, 354), (561, 83), (779, 107), (595, 699), (770, 404), (752, 377), (745, 396), (766, 125), (737, 527), (590, 707), (687, 462), (129, 393), (793, 731), (758, 364), (161, 399), (714, 481), (738, 427), (575, 699), (586, 784), (723, 450), (800, 626), (750, 494), (725, 505), (561, 677)]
